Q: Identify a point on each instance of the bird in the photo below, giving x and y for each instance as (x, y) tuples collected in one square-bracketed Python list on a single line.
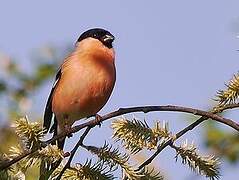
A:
[(83, 83)]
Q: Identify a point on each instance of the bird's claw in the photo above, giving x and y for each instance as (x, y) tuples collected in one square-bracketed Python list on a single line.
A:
[(98, 118)]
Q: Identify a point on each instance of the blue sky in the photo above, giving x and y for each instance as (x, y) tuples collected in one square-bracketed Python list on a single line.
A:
[(167, 52)]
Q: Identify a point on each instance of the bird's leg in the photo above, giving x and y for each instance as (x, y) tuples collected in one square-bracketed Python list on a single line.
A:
[(67, 128)]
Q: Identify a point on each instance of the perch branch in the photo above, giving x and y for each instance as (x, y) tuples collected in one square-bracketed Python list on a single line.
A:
[(123, 111)]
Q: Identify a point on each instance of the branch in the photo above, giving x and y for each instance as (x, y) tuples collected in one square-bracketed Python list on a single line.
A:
[(170, 142), (123, 111), (181, 133), (73, 152)]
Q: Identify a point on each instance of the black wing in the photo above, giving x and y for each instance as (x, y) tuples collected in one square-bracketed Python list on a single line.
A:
[(48, 110)]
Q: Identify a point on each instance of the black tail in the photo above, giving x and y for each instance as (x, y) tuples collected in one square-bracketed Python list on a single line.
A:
[(60, 142), (47, 169)]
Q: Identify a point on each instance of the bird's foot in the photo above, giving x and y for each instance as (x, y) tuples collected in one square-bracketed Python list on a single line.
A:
[(98, 118)]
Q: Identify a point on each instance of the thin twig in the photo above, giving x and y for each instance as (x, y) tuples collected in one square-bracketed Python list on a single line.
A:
[(123, 111), (80, 142), (181, 133), (169, 142)]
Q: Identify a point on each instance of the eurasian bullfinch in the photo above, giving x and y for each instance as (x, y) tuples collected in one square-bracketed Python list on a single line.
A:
[(83, 83)]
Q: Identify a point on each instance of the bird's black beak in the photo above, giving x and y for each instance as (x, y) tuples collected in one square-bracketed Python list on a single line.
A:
[(108, 39)]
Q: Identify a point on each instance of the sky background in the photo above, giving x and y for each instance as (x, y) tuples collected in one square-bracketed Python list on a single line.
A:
[(167, 52)]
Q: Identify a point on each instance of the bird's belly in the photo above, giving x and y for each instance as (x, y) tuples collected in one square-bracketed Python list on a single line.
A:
[(89, 101), (80, 97)]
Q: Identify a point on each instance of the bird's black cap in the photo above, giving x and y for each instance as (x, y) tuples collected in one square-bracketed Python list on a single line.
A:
[(102, 35)]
